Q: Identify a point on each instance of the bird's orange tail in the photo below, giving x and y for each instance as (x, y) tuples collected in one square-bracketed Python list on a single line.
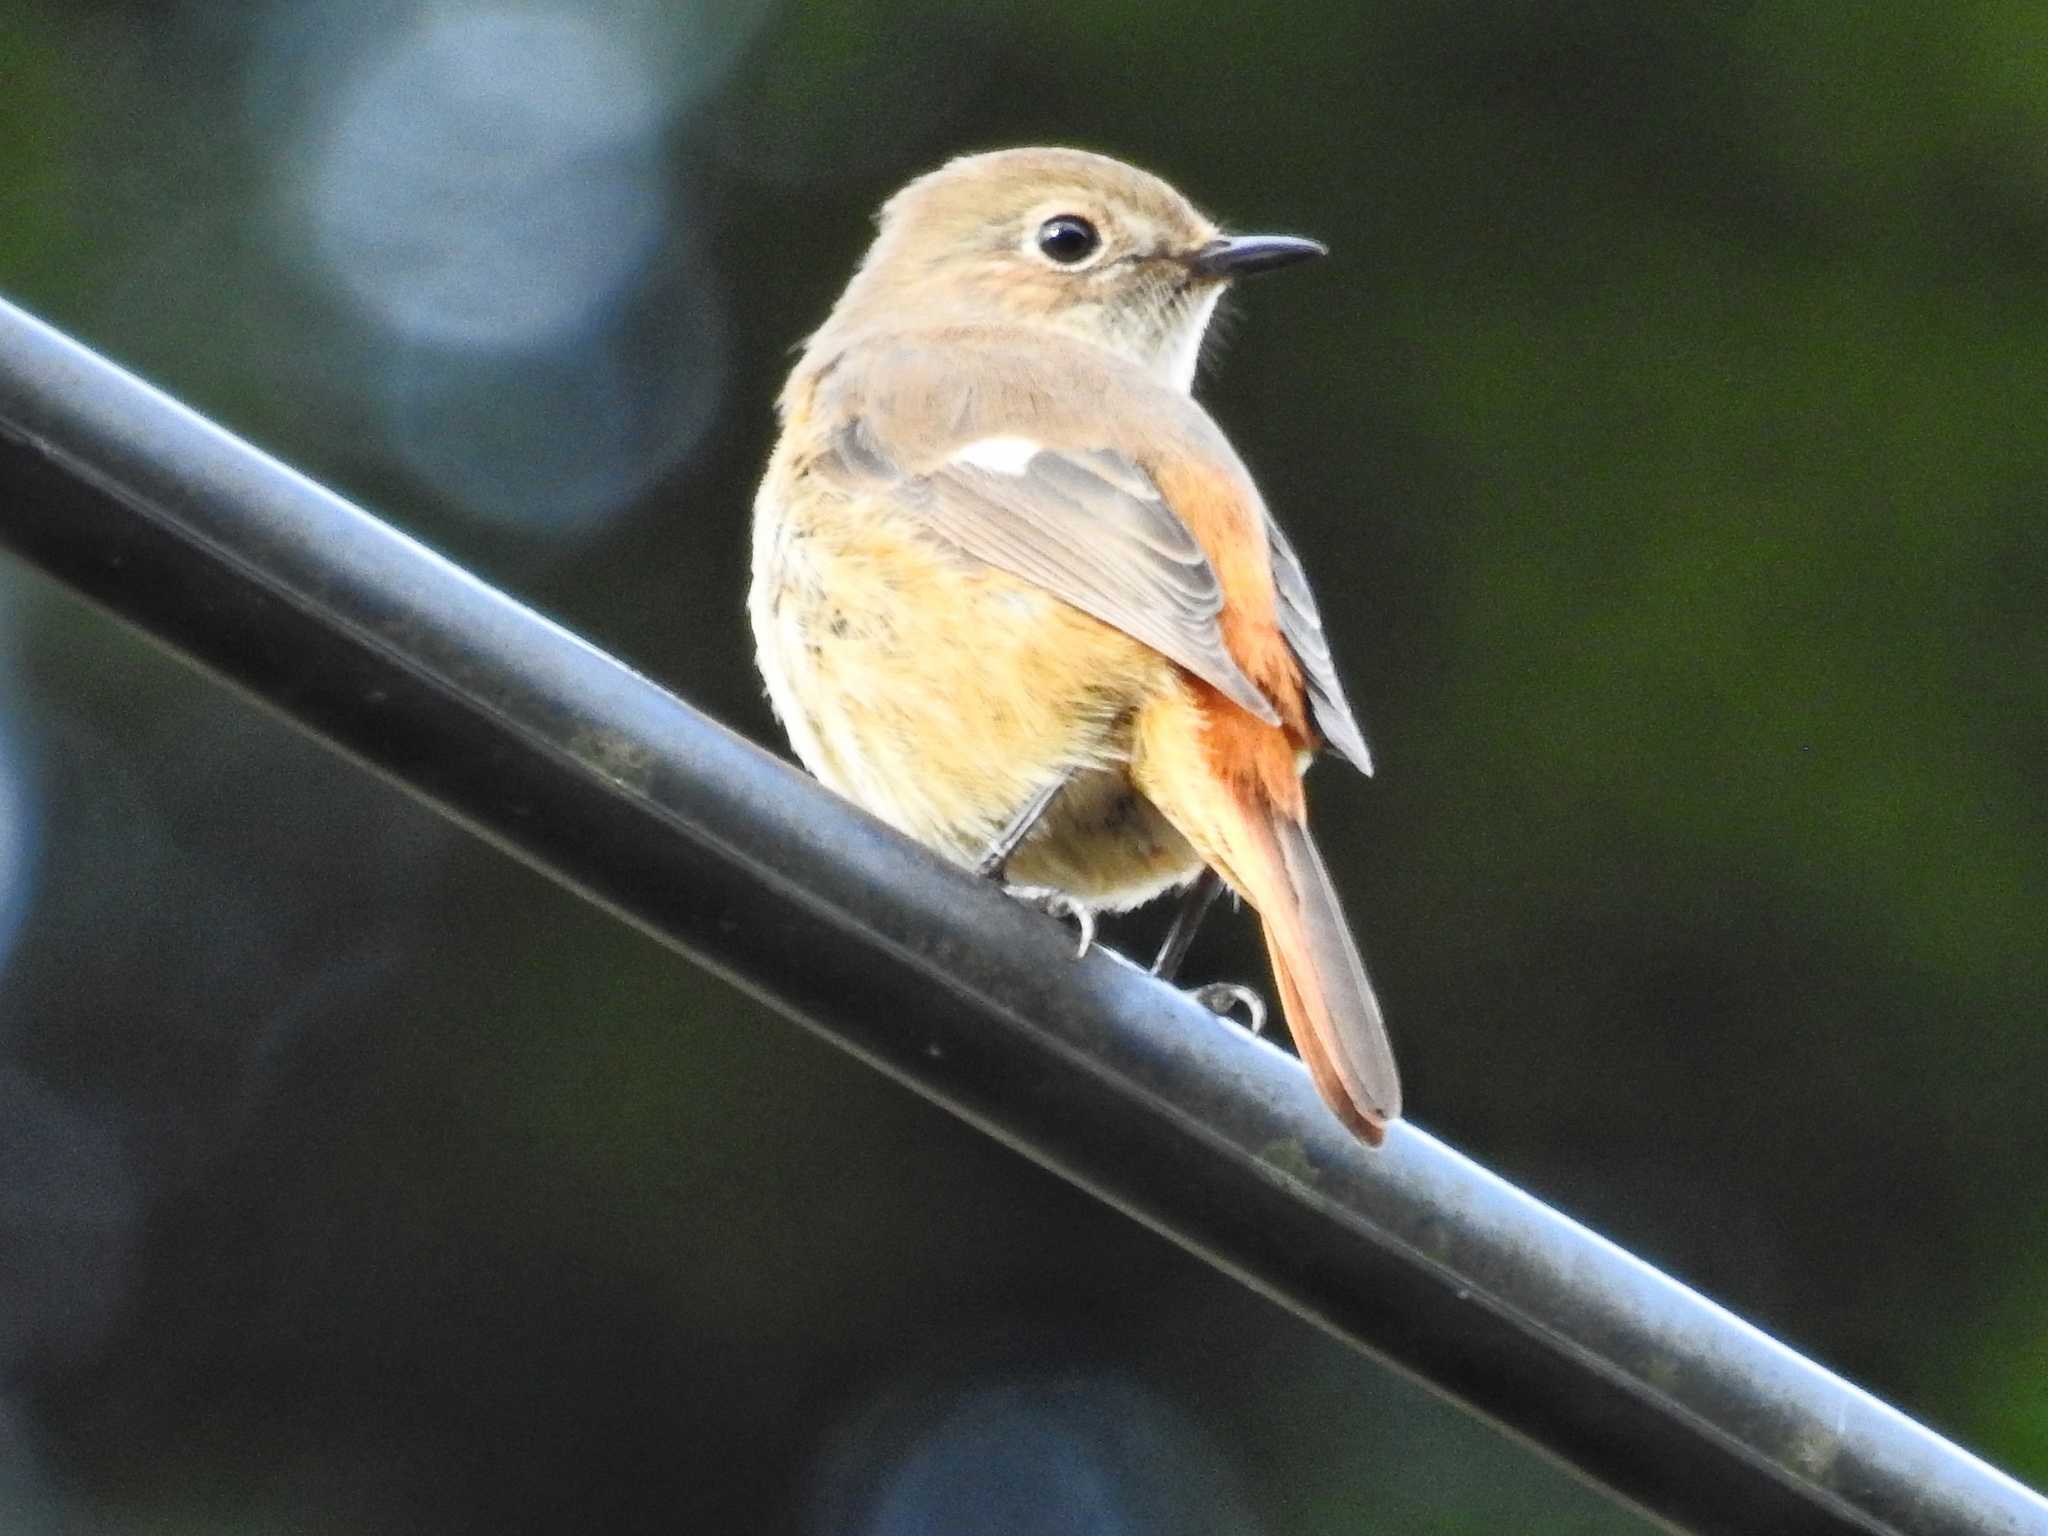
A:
[(1239, 802), (1330, 1006)]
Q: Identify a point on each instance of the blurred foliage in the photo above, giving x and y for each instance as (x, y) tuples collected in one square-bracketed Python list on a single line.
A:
[(1667, 439)]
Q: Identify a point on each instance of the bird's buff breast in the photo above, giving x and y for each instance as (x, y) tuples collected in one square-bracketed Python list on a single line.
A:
[(942, 695)]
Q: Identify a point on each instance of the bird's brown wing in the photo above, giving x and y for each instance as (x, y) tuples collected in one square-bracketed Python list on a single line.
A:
[(1087, 524), (1031, 453)]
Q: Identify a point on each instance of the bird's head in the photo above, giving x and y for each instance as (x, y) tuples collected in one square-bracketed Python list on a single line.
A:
[(1059, 238)]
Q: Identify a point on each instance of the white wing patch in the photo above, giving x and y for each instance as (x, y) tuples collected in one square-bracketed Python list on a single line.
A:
[(998, 455)]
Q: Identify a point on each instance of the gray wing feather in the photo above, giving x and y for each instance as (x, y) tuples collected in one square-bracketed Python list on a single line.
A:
[(1090, 527), (1303, 627)]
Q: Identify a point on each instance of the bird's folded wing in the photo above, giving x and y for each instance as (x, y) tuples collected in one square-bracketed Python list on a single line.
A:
[(1086, 524), (1303, 627), (1066, 504)]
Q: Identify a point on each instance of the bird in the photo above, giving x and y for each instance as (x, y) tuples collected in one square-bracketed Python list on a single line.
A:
[(1014, 592)]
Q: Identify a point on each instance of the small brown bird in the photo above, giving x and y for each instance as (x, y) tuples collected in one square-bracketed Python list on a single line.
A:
[(1015, 594)]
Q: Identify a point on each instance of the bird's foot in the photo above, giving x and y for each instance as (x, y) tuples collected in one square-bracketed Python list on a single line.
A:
[(1066, 909), (1083, 919), (1223, 998)]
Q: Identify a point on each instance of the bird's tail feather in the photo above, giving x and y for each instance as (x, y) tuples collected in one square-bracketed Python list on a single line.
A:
[(1330, 1005), (1263, 851)]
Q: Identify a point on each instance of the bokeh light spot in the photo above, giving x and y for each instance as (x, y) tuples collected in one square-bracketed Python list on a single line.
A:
[(1031, 1454), (559, 438), (491, 177)]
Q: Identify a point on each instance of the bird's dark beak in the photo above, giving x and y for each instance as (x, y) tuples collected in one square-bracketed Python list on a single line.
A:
[(1241, 255)]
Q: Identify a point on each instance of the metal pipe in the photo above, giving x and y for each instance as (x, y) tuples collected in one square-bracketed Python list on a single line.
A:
[(599, 778)]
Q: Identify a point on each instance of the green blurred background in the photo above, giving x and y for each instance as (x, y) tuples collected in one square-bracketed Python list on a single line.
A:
[(1666, 442)]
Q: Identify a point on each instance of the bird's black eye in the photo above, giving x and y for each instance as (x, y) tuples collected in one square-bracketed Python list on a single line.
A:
[(1068, 238)]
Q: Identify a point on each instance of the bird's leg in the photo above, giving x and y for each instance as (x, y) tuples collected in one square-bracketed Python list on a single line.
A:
[(1195, 903), (1019, 828), (1219, 997), (1008, 841)]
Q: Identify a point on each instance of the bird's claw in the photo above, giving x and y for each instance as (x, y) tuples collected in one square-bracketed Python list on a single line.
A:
[(1065, 908), (1083, 919), (1222, 998)]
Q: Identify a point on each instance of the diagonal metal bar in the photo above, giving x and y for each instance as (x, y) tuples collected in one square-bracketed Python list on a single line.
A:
[(596, 776)]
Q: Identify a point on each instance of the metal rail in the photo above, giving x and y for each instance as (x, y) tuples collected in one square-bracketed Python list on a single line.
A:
[(599, 778)]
